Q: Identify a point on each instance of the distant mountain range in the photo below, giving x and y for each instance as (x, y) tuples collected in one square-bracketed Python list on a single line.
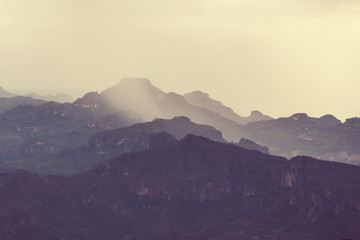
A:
[(188, 189), (107, 144), (43, 130), (149, 102), (324, 138), (9, 103), (61, 97), (136, 163)]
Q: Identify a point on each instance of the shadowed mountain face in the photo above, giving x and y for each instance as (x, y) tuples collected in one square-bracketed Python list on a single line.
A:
[(191, 189), (113, 143)]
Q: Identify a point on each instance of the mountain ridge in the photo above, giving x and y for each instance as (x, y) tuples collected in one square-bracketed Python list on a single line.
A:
[(194, 188)]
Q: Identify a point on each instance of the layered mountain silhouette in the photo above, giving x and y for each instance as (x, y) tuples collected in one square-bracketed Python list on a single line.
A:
[(138, 163), (138, 95), (113, 143), (38, 129), (188, 189), (149, 102)]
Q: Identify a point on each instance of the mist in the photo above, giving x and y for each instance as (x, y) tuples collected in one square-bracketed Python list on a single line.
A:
[(135, 95)]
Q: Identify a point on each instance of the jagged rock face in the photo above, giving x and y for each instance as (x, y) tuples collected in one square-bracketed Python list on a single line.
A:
[(324, 196), (190, 189)]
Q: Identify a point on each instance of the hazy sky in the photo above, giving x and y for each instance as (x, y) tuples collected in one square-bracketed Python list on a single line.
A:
[(280, 56)]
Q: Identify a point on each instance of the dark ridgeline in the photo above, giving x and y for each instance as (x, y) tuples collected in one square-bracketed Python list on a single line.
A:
[(194, 188)]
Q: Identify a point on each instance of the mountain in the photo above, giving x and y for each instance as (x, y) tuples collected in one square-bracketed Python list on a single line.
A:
[(203, 100), (251, 145), (7, 103), (39, 131), (189, 189), (257, 116), (135, 94), (325, 137), (138, 95), (6, 94), (51, 127), (113, 143), (55, 130), (61, 97)]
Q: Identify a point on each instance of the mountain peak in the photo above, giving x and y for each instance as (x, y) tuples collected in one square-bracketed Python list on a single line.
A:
[(255, 113), (6, 94), (129, 80), (298, 116), (256, 116), (197, 94)]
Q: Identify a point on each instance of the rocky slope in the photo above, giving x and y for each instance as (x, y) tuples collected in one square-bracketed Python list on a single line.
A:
[(190, 189)]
